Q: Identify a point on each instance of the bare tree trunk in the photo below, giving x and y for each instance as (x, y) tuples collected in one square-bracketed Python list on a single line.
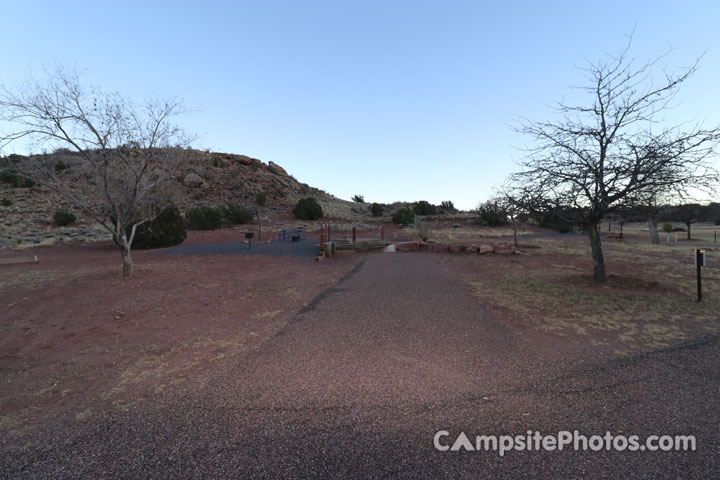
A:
[(257, 213), (597, 254), (124, 245), (654, 237), (514, 230), (127, 262), (688, 225)]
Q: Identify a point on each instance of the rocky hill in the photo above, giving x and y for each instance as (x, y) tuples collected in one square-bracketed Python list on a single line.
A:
[(209, 178)]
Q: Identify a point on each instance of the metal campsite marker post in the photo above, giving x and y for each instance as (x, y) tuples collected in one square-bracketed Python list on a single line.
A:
[(249, 236), (699, 263)]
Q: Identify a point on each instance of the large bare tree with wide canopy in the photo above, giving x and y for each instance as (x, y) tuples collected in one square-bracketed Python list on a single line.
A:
[(124, 155), (615, 151)]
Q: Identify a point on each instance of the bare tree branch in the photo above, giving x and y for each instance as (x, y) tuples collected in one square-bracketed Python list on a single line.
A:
[(126, 154), (606, 156)]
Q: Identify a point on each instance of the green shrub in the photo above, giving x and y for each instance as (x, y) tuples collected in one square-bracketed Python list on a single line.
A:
[(261, 198), (358, 199), (667, 227), (308, 209), (376, 209), (166, 230), (12, 177), (5, 202), (64, 217), (204, 218), (555, 223), (236, 214), (15, 158), (424, 207), (447, 205), (403, 216), (490, 214), (217, 161)]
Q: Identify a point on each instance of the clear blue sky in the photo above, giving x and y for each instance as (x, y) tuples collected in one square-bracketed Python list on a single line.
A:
[(392, 100)]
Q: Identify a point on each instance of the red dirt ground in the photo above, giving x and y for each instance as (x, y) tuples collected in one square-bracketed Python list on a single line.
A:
[(78, 338)]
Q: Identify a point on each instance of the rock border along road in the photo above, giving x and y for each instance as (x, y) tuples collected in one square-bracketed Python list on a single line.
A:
[(357, 384)]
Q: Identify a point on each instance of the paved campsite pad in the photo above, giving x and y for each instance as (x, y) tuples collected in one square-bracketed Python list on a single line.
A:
[(357, 383), (304, 248)]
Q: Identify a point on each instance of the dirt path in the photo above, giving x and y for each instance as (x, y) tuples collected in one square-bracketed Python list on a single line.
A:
[(357, 384)]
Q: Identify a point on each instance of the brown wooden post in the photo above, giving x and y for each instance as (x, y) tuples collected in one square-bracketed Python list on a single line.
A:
[(322, 233), (621, 227), (353, 234), (382, 232), (609, 225)]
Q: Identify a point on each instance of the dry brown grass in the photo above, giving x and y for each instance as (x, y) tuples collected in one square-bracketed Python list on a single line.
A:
[(649, 301), (471, 234)]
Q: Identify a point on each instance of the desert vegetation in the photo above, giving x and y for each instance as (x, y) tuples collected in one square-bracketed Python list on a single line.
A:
[(308, 209), (167, 229), (423, 207), (403, 216), (237, 214), (204, 218), (261, 199), (12, 176), (64, 217)]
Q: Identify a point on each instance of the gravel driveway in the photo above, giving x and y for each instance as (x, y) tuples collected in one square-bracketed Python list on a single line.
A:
[(359, 382)]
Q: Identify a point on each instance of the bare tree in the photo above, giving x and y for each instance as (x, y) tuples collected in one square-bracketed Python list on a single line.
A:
[(125, 157), (653, 221), (611, 152), (420, 229), (688, 213), (511, 206), (645, 208)]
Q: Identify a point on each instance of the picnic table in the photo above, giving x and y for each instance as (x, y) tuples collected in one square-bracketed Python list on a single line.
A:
[(290, 233)]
